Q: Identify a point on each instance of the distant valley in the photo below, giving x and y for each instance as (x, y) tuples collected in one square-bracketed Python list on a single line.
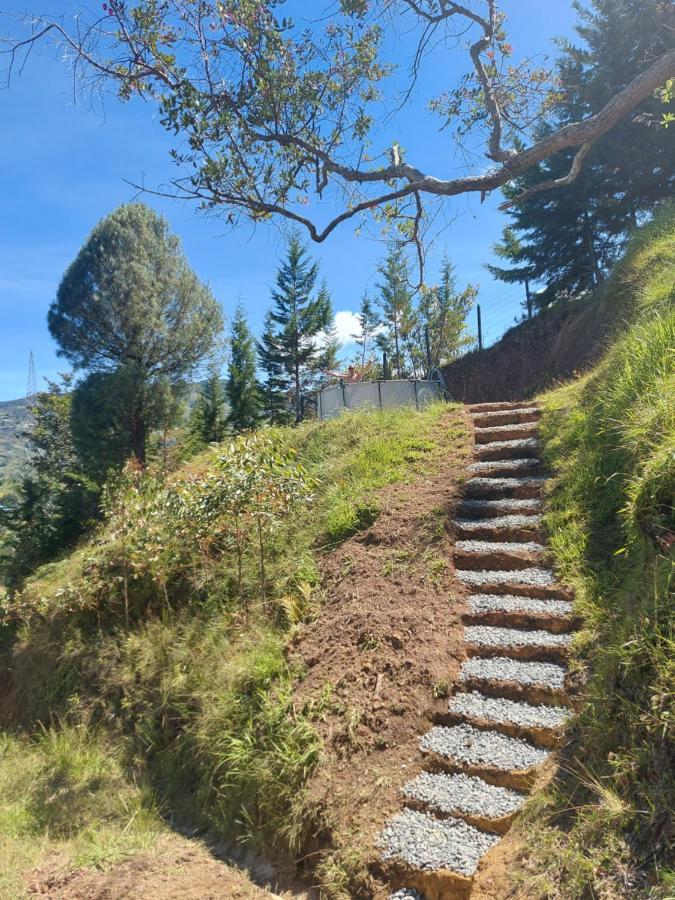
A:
[(13, 418)]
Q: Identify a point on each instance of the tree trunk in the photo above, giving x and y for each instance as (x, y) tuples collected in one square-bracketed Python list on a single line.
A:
[(528, 298)]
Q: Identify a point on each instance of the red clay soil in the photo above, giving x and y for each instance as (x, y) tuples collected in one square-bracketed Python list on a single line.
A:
[(178, 869), (533, 355), (385, 649)]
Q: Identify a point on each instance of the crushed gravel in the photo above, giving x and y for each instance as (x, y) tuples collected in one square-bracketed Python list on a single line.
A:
[(493, 636), (424, 842), (534, 576), (498, 506), (457, 794), (502, 668), (524, 444), (500, 546), (511, 465), (530, 410), (467, 745), (406, 894), (510, 521), (507, 429), (480, 603), (499, 709), (497, 485)]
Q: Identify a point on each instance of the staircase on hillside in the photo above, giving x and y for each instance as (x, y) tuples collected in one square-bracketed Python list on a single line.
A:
[(493, 742)]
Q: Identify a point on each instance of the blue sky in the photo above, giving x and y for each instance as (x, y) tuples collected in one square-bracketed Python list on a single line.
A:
[(63, 166)]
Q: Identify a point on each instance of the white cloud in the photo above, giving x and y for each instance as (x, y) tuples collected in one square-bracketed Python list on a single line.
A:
[(347, 325)]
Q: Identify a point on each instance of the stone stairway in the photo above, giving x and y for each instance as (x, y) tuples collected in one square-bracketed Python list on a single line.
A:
[(509, 711)]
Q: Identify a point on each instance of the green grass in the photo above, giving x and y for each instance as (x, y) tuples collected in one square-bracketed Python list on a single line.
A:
[(606, 827), (195, 696), (64, 795)]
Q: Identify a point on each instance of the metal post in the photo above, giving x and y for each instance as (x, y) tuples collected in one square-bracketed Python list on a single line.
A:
[(379, 392), (417, 402), (428, 346), (385, 373), (320, 406), (480, 328), (344, 397)]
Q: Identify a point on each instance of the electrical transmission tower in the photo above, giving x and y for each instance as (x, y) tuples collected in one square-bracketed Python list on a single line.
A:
[(31, 387)]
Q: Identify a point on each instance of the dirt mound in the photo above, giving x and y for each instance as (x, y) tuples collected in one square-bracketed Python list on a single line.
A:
[(533, 355)]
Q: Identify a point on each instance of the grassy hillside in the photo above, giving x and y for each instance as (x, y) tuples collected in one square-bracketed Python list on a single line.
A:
[(162, 642), (12, 420), (606, 829)]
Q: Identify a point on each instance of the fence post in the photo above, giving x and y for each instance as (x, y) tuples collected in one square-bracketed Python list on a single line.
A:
[(480, 328), (417, 402), (385, 373), (379, 393), (320, 406), (344, 398), (428, 346)]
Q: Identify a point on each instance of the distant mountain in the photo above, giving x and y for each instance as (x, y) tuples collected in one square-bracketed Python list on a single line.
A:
[(13, 417)]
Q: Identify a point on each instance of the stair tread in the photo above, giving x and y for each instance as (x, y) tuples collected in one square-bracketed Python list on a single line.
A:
[(497, 636), (501, 710), (478, 603), (496, 522), (505, 669), (463, 794), (533, 575), (481, 546), (424, 842), (464, 745)]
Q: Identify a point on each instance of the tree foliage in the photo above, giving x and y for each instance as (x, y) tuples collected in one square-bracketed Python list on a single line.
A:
[(55, 500), (268, 113), (130, 311), (570, 238), (292, 349), (242, 386), (208, 420)]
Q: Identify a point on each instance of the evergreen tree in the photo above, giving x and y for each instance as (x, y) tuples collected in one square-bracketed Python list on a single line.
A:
[(369, 322), (571, 236), (242, 388), (443, 311), (290, 349), (511, 249), (130, 305), (395, 301), (55, 500), (208, 417)]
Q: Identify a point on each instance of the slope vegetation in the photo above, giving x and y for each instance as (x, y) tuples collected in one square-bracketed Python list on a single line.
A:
[(176, 642)]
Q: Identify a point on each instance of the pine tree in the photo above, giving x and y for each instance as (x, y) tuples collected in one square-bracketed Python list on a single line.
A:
[(443, 311), (369, 322), (571, 236), (129, 306), (395, 301), (208, 417), (290, 349), (242, 388), (55, 500), (511, 249)]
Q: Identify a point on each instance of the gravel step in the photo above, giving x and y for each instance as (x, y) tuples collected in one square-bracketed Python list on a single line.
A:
[(534, 576), (422, 841), (539, 723), (499, 528), (516, 431), (518, 643), (506, 416), (501, 676), (495, 757), (505, 488), (507, 449), (489, 509), (483, 805), (496, 467), (512, 555), (520, 612), (475, 408)]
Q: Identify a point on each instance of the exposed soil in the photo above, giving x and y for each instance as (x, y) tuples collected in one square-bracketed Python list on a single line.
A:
[(385, 648), (530, 357), (178, 869)]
